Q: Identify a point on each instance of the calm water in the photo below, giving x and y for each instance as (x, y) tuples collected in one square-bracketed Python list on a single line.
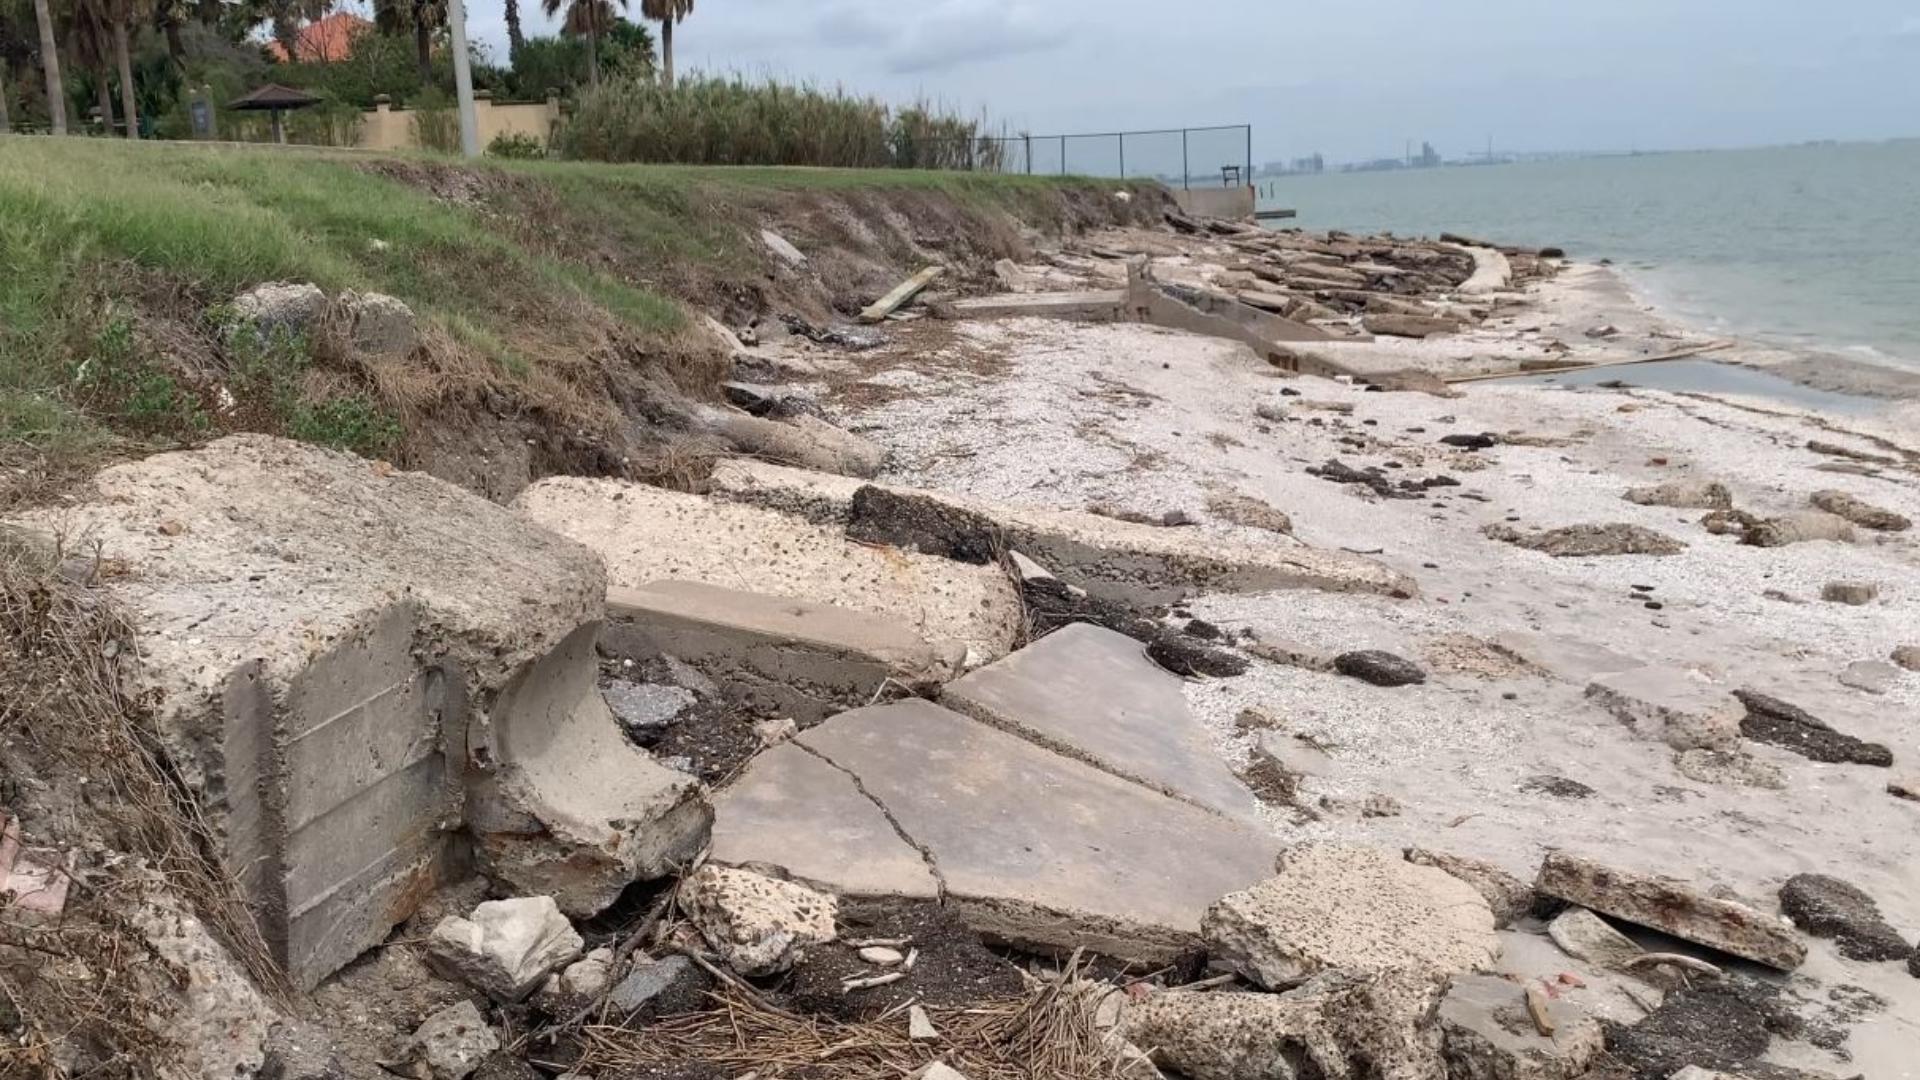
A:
[(1813, 248)]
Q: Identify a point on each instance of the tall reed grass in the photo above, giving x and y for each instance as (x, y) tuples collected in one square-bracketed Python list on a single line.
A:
[(735, 121)]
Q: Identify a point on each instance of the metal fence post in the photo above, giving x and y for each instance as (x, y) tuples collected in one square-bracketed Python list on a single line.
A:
[(1063, 155), (1029, 141), (1123, 155), (1186, 170), (1249, 153)]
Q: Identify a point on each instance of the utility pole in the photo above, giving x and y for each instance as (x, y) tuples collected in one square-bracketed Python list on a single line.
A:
[(463, 79)]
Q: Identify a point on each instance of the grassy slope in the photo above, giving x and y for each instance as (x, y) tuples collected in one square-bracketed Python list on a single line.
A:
[(115, 259)]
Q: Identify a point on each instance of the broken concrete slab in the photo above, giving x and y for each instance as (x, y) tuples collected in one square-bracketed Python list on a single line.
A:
[(1339, 1025), (641, 531), (1335, 906), (1586, 936), (1588, 541), (1672, 908), (1092, 694), (1507, 896), (774, 655), (783, 249), (320, 636), (1491, 1034), (1676, 706), (1038, 849), (759, 925), (665, 987), (507, 948), (1860, 512), (1799, 528), (1409, 326), (1096, 304), (1133, 563), (1778, 723), (793, 810)]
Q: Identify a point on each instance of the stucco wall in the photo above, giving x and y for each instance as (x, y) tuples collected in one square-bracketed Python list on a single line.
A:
[(388, 128)]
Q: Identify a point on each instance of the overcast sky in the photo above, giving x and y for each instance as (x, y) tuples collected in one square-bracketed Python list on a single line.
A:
[(1349, 78)]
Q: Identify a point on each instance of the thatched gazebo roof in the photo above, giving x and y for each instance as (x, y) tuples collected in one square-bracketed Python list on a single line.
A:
[(273, 97)]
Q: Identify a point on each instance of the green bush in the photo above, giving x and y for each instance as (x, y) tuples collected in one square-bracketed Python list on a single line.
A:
[(516, 146), (732, 121)]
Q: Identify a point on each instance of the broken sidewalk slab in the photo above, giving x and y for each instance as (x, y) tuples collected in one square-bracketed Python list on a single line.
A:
[(1671, 705), (1672, 908), (1092, 694), (1117, 560), (774, 655), (901, 295), (1034, 848), (649, 535), (793, 810), (320, 635), (1099, 304)]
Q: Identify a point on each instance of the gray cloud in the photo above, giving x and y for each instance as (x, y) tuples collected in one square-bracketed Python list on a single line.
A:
[(963, 32)]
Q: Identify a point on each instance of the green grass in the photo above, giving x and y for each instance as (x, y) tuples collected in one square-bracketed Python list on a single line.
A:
[(91, 229)]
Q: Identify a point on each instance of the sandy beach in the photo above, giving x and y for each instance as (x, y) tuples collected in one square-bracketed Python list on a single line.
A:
[(1502, 753)]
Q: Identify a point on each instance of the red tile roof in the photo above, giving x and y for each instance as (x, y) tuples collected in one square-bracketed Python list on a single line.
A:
[(324, 41)]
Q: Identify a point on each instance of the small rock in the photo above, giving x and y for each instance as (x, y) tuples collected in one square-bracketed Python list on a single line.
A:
[(1778, 723), (297, 1050), (1379, 668), (1871, 676), (507, 949), (1864, 514), (1854, 593), (1673, 908), (758, 924), (1557, 786), (383, 326), (1273, 414), (1508, 896), (1337, 906), (1490, 1033), (587, 977), (1827, 907), (1585, 936), (664, 987), (1696, 494), (1470, 442), (452, 1043), (881, 956), (645, 709), (280, 308), (1586, 541), (1800, 528), (920, 1026), (1907, 656), (1339, 1025), (783, 249), (1186, 656), (938, 1070), (1177, 517), (1413, 326), (1249, 512), (1905, 787)]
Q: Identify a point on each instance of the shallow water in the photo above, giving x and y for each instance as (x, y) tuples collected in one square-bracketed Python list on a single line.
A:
[(1708, 377), (1811, 248)]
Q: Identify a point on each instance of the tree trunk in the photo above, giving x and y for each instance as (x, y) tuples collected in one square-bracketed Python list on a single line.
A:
[(105, 76), (287, 32), (50, 63), (176, 49), (128, 110), (515, 38), (593, 56), (423, 45), (666, 51), (6, 121)]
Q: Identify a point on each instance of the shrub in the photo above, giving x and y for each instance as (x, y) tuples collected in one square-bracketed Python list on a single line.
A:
[(516, 146), (731, 121)]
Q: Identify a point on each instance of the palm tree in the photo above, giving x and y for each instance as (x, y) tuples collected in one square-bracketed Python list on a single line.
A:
[(515, 36), (89, 32), (666, 12), (50, 63), (588, 18), (123, 13), (422, 17)]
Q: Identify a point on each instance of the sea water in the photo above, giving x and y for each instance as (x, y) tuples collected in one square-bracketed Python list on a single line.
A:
[(1813, 248)]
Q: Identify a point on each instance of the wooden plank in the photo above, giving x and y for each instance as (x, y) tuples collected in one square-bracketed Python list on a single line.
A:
[(902, 293)]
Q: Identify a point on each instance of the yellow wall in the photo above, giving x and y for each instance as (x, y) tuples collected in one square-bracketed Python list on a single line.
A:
[(388, 128)]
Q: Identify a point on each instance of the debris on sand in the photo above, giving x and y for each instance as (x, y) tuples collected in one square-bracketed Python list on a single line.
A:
[(1584, 541), (1249, 512), (1851, 593), (1779, 723), (1379, 668), (1827, 907), (507, 948), (1799, 528), (1860, 512), (1696, 494), (1671, 907)]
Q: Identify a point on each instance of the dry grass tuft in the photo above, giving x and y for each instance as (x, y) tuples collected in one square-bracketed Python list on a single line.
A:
[(85, 980), (1050, 1033)]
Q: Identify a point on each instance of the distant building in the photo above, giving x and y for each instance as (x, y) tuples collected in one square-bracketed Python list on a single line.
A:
[(1429, 157), (324, 41)]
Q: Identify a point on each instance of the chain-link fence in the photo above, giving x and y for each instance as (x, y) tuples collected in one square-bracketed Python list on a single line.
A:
[(1180, 157)]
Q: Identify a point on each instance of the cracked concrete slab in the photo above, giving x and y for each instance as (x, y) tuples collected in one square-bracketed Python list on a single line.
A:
[(1092, 694), (793, 810), (643, 533), (1036, 848), (774, 655), (1119, 560)]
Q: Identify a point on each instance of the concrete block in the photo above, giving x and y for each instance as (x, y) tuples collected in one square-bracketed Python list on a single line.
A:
[(1098, 304), (1092, 694), (1671, 705), (773, 654)]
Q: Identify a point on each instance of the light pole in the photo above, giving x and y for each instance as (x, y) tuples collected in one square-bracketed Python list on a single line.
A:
[(463, 79)]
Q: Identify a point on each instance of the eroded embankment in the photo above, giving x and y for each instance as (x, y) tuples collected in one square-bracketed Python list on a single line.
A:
[(549, 316)]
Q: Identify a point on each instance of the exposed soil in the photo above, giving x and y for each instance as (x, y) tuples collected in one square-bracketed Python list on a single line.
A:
[(953, 966)]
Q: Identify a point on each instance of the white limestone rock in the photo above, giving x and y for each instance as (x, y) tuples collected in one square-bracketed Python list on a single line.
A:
[(508, 948), (759, 925)]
